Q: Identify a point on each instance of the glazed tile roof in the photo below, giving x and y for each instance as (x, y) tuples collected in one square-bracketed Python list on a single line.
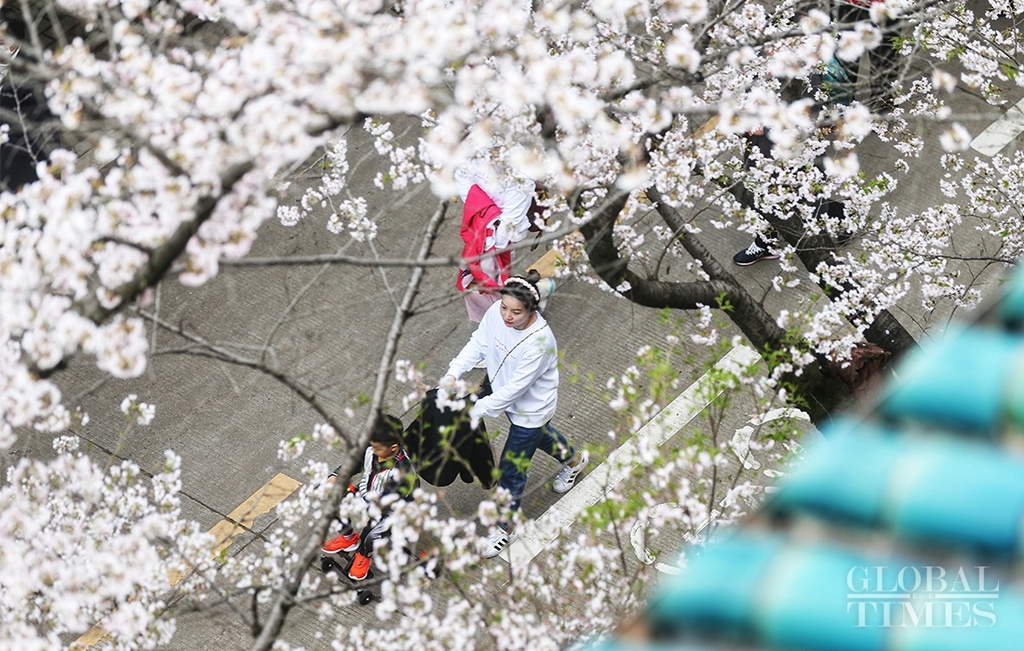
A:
[(901, 531)]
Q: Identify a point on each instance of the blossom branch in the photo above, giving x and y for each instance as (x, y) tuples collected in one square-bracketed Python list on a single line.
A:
[(164, 256), (286, 598)]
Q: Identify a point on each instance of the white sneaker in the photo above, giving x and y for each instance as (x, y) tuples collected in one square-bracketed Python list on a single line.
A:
[(496, 542), (568, 474)]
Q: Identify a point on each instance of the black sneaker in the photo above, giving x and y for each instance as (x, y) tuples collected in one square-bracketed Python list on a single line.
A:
[(753, 253)]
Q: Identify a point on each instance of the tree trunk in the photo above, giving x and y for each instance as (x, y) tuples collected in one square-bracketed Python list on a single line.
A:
[(815, 390)]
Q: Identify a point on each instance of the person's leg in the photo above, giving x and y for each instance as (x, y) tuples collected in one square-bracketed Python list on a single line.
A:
[(515, 459), (555, 445), (573, 461), (884, 65), (346, 541), (758, 250), (848, 14), (333, 550), (373, 532), (834, 210), (477, 303)]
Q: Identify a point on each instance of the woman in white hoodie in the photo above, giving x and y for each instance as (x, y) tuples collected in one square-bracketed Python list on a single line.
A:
[(519, 350)]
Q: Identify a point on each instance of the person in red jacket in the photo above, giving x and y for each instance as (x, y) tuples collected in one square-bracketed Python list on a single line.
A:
[(500, 210)]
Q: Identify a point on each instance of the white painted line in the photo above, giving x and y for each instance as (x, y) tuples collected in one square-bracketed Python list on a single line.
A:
[(1001, 132), (543, 531), (740, 442)]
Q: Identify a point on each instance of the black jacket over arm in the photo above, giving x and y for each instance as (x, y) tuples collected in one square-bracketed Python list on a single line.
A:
[(443, 446)]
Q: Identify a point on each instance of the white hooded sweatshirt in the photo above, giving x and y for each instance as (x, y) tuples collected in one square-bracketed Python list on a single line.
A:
[(522, 366)]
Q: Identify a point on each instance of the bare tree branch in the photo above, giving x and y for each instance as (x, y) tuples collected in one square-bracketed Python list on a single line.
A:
[(291, 306), (747, 312), (285, 599), (213, 351), (363, 261)]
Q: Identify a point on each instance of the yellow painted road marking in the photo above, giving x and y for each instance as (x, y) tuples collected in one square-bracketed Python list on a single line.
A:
[(93, 636), (241, 519), (706, 128)]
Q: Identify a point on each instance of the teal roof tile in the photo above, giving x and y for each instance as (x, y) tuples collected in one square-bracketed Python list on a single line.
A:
[(844, 479), (1011, 307), (972, 623), (960, 383), (805, 602), (934, 490), (717, 590), (958, 493), (625, 645)]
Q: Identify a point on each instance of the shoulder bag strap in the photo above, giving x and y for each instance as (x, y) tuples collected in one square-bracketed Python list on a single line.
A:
[(517, 346)]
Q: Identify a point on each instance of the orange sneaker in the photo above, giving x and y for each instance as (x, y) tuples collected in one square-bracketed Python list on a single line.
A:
[(342, 543), (360, 567)]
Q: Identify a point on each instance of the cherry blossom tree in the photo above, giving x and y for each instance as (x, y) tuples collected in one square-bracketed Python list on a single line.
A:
[(173, 129)]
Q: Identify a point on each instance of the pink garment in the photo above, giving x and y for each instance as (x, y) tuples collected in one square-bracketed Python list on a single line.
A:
[(478, 302), (512, 194)]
